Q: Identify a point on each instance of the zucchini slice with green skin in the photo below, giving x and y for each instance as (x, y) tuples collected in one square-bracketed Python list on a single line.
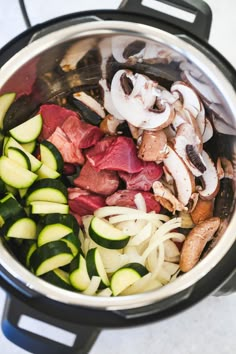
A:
[(59, 278), (24, 228), (29, 147), (14, 175), (10, 208), (79, 277), (47, 190), (53, 232), (5, 102), (67, 219), (95, 266), (73, 242), (50, 256), (106, 235), (51, 156), (20, 157), (31, 249), (28, 131), (35, 163), (126, 276), (47, 172), (40, 207)]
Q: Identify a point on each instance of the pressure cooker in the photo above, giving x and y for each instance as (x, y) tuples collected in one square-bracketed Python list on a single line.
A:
[(45, 44)]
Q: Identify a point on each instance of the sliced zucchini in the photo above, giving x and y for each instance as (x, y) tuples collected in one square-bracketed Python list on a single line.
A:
[(27, 131), (95, 266), (53, 232), (22, 192), (73, 242), (47, 172), (3, 188), (20, 157), (9, 208), (106, 235), (50, 256), (51, 156), (59, 278), (24, 228), (35, 163), (79, 277), (15, 175), (40, 207), (5, 102), (126, 276), (29, 147), (47, 190), (30, 251), (68, 220)]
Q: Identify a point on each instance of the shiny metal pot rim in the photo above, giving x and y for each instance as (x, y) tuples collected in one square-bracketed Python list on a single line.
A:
[(183, 282)]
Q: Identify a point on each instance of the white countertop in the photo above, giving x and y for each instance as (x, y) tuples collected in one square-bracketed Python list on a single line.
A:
[(210, 326)]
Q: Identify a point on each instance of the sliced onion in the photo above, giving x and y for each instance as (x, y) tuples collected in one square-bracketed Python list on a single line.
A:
[(153, 284), (140, 202), (93, 286), (105, 292), (144, 234), (171, 250), (139, 286), (133, 255), (131, 227), (150, 217)]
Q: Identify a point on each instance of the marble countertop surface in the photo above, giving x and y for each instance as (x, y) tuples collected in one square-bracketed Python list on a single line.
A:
[(208, 327)]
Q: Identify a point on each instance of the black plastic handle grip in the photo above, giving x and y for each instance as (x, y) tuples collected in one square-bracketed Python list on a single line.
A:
[(38, 344), (200, 27)]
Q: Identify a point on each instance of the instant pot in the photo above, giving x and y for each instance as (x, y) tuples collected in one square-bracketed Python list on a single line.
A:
[(34, 55)]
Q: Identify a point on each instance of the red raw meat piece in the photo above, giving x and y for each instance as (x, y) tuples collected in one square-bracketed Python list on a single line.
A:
[(82, 134), (126, 198), (120, 155), (53, 116), (70, 153), (101, 182), (82, 202), (143, 180)]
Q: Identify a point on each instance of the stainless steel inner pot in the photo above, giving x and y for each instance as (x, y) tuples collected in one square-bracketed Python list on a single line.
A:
[(47, 51)]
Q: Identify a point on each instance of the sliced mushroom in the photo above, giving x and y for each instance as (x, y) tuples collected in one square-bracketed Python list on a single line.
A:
[(75, 53), (107, 101), (209, 179), (202, 211), (201, 119), (183, 178), (208, 131), (105, 52), (153, 146), (126, 48), (188, 97), (109, 125), (134, 98), (164, 196), (90, 102), (188, 146), (196, 241)]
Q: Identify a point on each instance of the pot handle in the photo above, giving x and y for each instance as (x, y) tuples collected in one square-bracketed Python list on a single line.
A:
[(198, 10), (80, 339)]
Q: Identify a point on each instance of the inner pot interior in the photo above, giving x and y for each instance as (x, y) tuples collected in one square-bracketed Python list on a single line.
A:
[(54, 68)]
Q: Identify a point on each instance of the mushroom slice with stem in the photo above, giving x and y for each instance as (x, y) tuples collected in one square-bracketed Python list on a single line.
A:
[(165, 197), (208, 131), (188, 96), (109, 125), (125, 48), (107, 101), (183, 178), (188, 146), (209, 179), (134, 98), (153, 146), (75, 53), (196, 241)]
